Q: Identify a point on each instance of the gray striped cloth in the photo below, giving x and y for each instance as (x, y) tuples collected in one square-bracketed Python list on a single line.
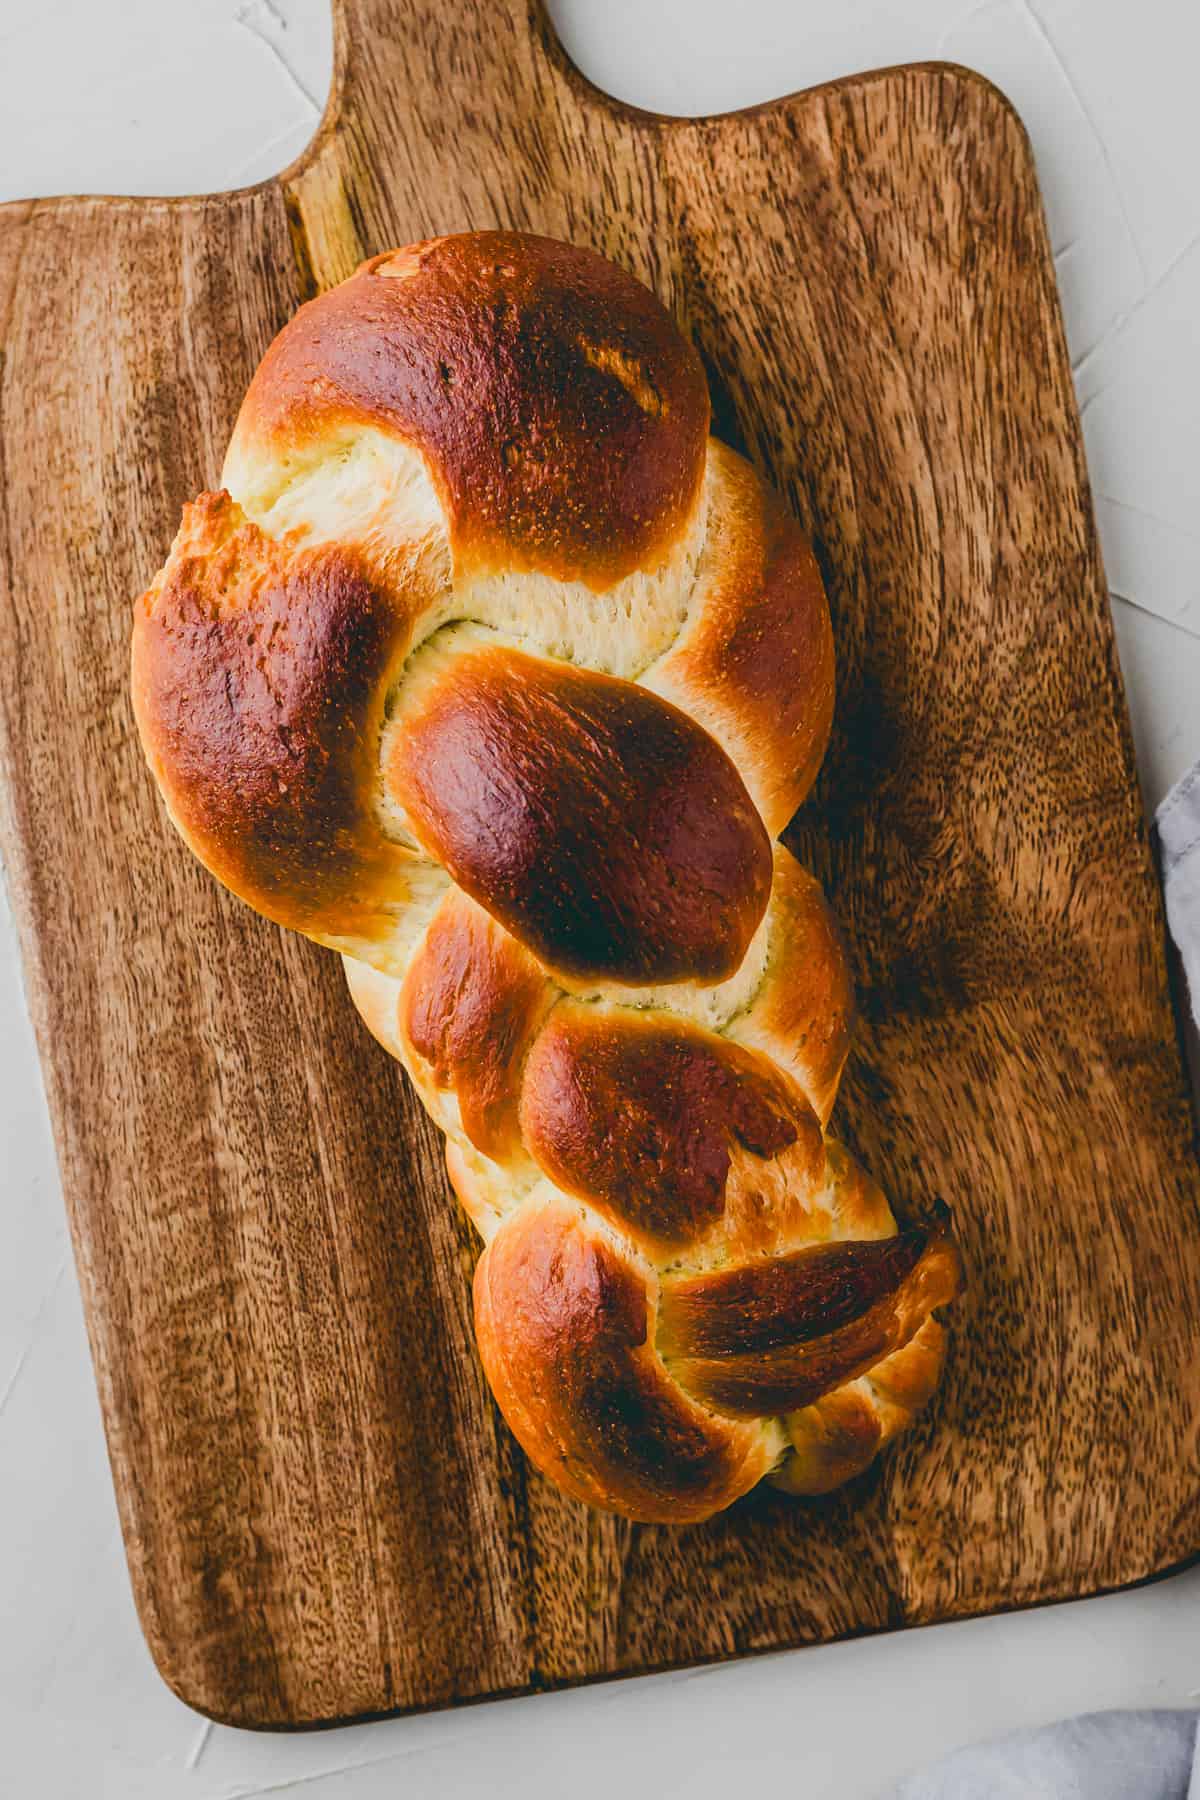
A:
[(1102, 1756), (1178, 821)]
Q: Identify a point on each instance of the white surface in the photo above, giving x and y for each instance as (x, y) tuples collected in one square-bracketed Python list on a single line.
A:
[(172, 96)]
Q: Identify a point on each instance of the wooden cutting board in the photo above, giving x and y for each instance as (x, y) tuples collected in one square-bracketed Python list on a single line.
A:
[(323, 1514)]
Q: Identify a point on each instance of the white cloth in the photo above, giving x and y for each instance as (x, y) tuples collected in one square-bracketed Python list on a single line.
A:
[(1178, 821), (1102, 1756)]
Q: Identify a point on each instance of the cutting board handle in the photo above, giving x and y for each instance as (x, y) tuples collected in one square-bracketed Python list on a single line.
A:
[(461, 94)]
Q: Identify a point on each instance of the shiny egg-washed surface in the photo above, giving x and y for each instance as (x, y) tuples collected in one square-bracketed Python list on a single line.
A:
[(492, 670)]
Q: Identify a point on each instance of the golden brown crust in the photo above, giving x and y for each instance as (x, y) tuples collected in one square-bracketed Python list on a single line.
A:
[(839, 1435), (832, 1441), (469, 1008), (755, 661), (638, 1115), (258, 683), (561, 414), (565, 1331), (601, 826), (802, 1015), (771, 1337)]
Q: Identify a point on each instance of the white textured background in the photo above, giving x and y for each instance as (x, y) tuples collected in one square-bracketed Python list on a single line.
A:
[(174, 96)]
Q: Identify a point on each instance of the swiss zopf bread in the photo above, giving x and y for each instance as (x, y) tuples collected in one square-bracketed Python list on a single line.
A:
[(490, 669)]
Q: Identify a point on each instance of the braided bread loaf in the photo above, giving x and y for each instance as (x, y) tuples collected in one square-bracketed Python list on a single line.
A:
[(492, 671)]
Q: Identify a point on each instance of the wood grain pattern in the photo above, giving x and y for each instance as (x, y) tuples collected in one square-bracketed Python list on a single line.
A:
[(324, 1517)]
